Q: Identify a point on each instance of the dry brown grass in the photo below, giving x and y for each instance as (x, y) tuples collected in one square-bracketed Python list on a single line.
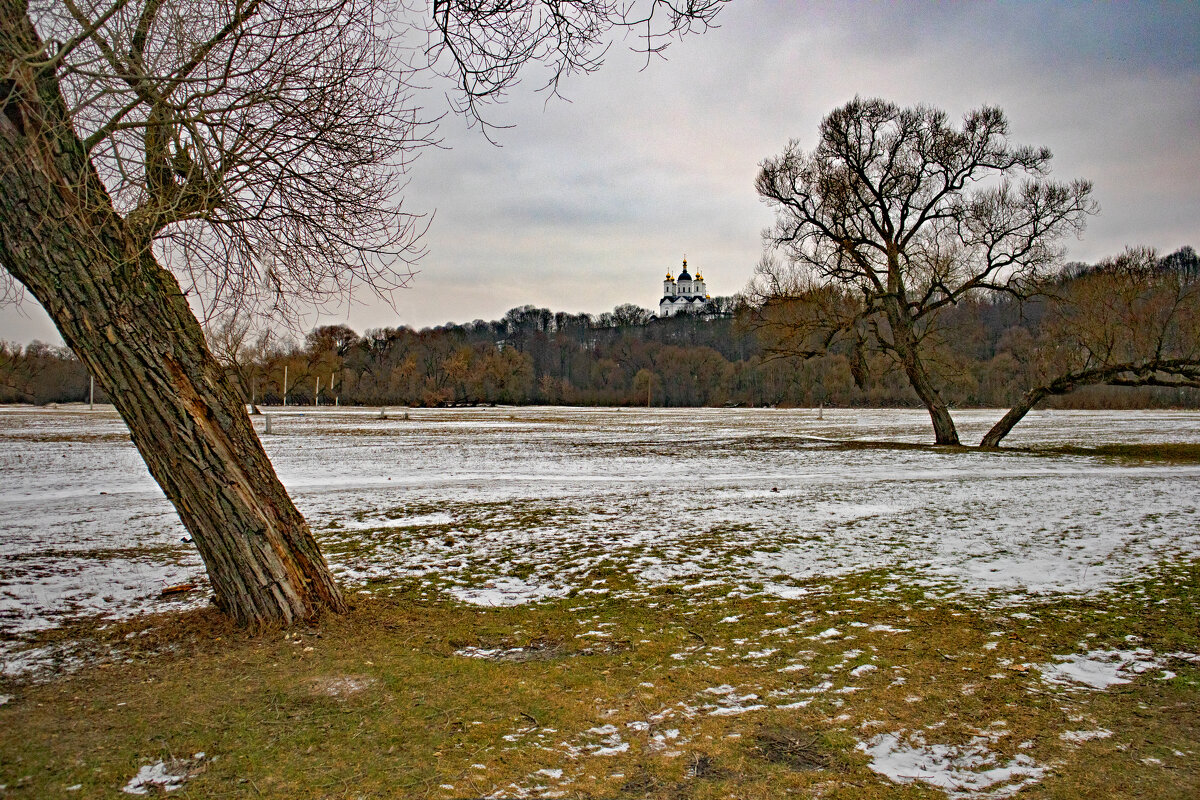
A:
[(378, 704)]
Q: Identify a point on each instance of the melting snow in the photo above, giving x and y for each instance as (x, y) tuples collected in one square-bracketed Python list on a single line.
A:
[(480, 492), (1099, 669), (506, 592), (1084, 736), (166, 775), (962, 771)]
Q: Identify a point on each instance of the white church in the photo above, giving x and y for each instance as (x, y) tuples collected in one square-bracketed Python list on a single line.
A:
[(684, 294)]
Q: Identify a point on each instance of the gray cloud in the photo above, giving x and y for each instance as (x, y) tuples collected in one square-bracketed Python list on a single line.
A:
[(587, 202)]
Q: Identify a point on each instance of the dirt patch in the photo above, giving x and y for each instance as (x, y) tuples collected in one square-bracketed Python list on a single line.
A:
[(702, 766), (795, 748)]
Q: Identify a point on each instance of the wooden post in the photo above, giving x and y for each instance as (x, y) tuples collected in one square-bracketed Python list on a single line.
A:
[(317, 394), (285, 384), (268, 429)]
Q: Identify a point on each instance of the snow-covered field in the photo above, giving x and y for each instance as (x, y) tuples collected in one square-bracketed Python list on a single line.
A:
[(510, 505), (504, 506)]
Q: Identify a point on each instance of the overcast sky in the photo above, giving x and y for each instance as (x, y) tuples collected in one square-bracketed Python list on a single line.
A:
[(589, 201)]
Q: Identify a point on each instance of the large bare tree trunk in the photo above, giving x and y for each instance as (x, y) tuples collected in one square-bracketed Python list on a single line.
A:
[(905, 344), (944, 431), (127, 320)]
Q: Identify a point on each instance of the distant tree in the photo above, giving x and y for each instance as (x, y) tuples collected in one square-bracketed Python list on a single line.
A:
[(41, 373), (896, 215), (629, 314), (327, 347), (1184, 261), (1131, 321), (233, 342), (725, 304), (646, 384), (330, 340), (256, 150), (12, 373)]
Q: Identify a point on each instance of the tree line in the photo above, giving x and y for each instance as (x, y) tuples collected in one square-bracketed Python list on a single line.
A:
[(990, 351), (984, 356)]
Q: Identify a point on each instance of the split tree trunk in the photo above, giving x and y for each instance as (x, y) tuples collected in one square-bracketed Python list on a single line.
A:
[(127, 320)]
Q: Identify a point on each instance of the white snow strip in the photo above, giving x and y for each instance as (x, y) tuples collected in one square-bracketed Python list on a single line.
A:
[(1076, 737), (729, 711), (506, 591)]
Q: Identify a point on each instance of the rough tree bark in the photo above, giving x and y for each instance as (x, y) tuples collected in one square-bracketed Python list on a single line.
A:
[(126, 318)]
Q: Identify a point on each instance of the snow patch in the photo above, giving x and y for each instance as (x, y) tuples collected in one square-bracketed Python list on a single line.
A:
[(970, 770), (1099, 669), (1076, 737), (167, 775), (506, 591)]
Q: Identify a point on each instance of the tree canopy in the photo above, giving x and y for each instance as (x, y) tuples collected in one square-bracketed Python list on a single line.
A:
[(911, 214)]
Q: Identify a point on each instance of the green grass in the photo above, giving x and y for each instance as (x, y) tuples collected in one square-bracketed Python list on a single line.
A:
[(377, 703), (1167, 452)]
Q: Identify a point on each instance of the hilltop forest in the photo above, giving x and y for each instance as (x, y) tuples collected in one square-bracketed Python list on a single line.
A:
[(624, 357)]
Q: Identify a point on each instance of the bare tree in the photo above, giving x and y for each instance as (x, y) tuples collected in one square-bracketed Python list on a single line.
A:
[(231, 339), (257, 150), (1128, 322), (896, 215), (629, 314), (16, 373)]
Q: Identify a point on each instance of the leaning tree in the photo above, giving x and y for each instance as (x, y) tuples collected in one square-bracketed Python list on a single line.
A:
[(161, 155), (896, 215), (1133, 320)]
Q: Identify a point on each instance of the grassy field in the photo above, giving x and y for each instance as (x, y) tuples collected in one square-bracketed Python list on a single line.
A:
[(692, 693)]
